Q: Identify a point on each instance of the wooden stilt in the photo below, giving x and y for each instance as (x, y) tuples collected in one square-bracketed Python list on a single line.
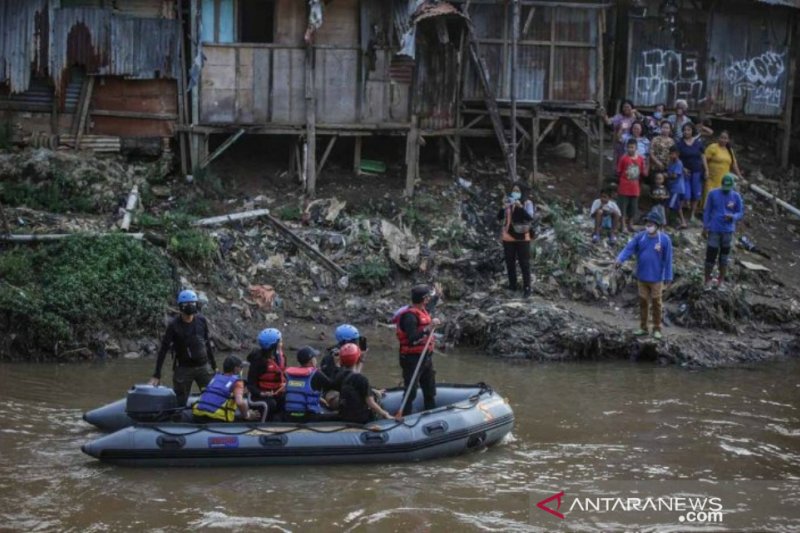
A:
[(600, 141), (535, 149), (357, 155), (311, 125), (325, 154), (412, 156)]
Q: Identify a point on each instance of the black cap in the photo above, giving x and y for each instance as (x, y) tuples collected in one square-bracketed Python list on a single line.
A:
[(419, 292), (306, 354), (231, 362)]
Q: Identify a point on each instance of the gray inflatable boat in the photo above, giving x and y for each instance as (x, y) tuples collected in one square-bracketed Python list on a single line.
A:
[(467, 417)]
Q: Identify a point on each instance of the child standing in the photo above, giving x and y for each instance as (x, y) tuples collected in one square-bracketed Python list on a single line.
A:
[(660, 195), (676, 185), (630, 169)]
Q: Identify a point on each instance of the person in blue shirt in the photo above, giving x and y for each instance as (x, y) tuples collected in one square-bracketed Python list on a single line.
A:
[(724, 208), (676, 185), (653, 251)]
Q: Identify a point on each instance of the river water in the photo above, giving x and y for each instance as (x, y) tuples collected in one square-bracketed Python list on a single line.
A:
[(575, 423)]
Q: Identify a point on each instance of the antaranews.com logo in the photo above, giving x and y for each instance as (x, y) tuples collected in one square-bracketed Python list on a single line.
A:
[(690, 509), (670, 505)]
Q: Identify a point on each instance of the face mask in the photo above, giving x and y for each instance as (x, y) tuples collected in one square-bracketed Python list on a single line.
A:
[(657, 115), (515, 196), (189, 308), (650, 229)]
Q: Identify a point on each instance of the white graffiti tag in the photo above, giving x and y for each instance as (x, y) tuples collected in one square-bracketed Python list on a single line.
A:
[(766, 69), (666, 75), (760, 77)]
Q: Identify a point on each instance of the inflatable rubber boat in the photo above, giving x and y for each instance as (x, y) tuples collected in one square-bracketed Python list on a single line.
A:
[(467, 417)]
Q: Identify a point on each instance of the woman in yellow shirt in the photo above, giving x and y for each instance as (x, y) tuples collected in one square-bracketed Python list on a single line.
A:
[(721, 161)]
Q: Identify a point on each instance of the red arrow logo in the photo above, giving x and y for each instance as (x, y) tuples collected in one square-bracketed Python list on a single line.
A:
[(543, 504)]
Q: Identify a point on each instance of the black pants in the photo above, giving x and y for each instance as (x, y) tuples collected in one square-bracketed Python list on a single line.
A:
[(426, 380), (518, 251)]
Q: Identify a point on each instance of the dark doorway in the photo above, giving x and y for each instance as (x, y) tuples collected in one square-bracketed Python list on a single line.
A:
[(256, 21)]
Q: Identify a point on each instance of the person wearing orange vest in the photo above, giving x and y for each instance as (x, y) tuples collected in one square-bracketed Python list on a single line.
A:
[(266, 378), (517, 216), (414, 325)]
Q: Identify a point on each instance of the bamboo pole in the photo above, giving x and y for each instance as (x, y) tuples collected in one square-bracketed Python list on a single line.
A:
[(769, 196), (43, 237), (130, 207), (324, 259), (232, 217)]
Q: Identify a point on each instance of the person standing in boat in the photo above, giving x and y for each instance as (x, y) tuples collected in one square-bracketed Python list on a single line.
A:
[(357, 403), (414, 324), (187, 336), (304, 387), (266, 378), (225, 392)]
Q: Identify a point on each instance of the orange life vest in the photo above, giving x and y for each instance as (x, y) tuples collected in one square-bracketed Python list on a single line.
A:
[(273, 378), (423, 321)]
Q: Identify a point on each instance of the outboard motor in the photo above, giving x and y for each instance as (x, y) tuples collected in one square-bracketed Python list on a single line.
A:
[(146, 403)]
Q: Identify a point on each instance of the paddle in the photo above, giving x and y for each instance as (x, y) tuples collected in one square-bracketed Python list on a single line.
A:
[(413, 383)]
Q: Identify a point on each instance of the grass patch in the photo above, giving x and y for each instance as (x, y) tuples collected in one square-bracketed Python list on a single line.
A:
[(57, 195), (373, 273), (290, 213), (54, 296), (193, 246)]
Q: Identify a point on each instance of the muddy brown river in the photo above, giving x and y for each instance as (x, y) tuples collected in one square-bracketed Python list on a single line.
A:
[(579, 427)]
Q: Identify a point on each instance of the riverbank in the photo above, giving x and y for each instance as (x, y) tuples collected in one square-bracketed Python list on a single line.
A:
[(252, 274)]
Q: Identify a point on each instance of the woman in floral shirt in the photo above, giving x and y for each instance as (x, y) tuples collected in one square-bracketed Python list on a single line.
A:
[(659, 148)]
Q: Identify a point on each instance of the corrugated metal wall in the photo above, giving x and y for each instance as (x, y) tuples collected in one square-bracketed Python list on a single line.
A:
[(748, 62), (659, 71), (435, 83), (557, 53), (734, 61), (46, 41), (23, 41)]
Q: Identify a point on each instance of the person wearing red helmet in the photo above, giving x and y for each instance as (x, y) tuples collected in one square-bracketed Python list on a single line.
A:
[(356, 402)]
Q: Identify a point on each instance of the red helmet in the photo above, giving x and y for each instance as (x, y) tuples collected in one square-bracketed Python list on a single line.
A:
[(349, 355)]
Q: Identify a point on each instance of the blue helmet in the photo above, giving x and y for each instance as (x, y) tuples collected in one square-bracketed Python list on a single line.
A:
[(187, 296), (347, 333), (269, 337)]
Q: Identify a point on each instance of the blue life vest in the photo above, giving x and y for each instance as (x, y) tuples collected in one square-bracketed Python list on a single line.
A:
[(216, 400), (300, 397)]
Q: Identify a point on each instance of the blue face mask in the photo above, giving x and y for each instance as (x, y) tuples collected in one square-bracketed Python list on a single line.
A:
[(515, 196), (657, 115)]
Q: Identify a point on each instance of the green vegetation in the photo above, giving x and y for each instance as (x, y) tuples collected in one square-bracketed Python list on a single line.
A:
[(372, 273), (416, 214), (193, 246), (208, 183), (57, 195), (290, 212), (6, 133), (54, 296)]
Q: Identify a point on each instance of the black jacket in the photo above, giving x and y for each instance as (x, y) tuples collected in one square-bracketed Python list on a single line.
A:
[(189, 342)]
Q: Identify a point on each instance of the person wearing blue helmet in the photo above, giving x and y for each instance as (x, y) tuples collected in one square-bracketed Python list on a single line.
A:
[(344, 334), (266, 378), (188, 338)]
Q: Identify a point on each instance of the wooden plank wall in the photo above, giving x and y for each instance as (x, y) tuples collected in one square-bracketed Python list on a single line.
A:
[(264, 83)]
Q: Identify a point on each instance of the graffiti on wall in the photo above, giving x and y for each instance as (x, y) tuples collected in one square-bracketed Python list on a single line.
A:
[(760, 77), (667, 75)]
